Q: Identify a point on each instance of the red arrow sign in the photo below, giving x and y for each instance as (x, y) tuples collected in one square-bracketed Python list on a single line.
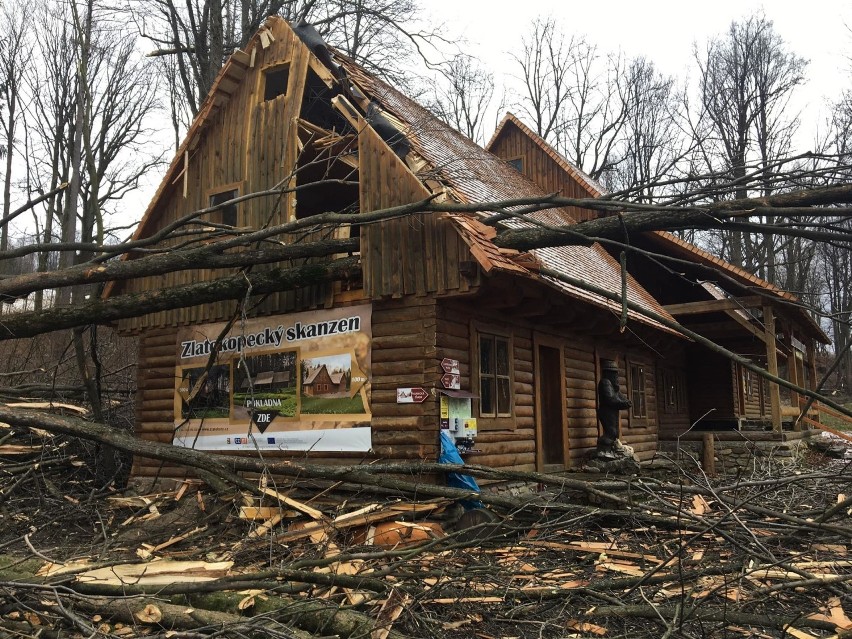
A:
[(415, 395), (419, 395), (451, 380), (450, 365)]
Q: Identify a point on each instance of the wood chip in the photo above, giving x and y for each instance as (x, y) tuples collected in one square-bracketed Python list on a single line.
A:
[(389, 612), (585, 626), (799, 634), (313, 513), (833, 612), (699, 506), (149, 614), (622, 567)]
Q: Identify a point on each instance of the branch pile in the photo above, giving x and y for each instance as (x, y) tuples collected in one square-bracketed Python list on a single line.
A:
[(371, 554)]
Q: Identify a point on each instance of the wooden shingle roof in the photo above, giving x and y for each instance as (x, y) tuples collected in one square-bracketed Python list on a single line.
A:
[(668, 241), (471, 174)]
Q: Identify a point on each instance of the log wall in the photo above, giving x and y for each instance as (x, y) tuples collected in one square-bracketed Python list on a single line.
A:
[(754, 394), (504, 446), (404, 355), (410, 338), (155, 399)]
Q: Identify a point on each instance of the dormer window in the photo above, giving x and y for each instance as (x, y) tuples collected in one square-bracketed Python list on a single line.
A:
[(276, 79)]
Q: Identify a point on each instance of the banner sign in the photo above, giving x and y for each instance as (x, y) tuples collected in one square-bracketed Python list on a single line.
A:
[(286, 382)]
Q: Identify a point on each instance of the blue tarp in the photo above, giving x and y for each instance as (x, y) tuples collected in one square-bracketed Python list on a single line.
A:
[(450, 455)]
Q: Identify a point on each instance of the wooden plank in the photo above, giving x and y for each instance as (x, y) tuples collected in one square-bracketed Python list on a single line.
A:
[(708, 455), (828, 429), (830, 411)]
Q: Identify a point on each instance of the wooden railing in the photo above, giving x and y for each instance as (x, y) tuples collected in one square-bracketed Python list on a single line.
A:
[(828, 411)]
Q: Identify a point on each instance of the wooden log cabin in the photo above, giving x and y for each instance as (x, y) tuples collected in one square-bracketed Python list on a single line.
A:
[(435, 310), (722, 302)]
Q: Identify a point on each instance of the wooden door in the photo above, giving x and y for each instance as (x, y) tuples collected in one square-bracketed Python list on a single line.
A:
[(551, 423)]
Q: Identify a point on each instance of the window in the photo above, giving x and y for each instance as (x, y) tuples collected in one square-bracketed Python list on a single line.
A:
[(495, 378), (516, 163), (637, 391), (226, 215), (748, 384), (276, 80), (674, 392)]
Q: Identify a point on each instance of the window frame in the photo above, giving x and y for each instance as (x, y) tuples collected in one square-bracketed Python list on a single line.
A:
[(641, 378), (278, 67), (673, 388), (495, 420), (748, 384), (516, 158), (218, 216)]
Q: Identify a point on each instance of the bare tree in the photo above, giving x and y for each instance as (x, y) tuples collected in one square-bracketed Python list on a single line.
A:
[(653, 144), (14, 55), (92, 98), (746, 79), (463, 99), (53, 86), (597, 112), (835, 259), (580, 100), (545, 64), (200, 34)]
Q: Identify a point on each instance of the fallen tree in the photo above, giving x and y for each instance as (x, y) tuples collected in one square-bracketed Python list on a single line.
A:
[(633, 555)]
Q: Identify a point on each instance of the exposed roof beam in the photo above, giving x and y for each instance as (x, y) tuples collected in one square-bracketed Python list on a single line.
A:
[(715, 306)]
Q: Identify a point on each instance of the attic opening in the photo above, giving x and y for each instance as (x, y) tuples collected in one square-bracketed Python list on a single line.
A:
[(226, 215), (317, 108), (326, 174), (275, 81)]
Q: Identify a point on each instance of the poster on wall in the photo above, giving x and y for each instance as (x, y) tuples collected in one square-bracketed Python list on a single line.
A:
[(297, 382)]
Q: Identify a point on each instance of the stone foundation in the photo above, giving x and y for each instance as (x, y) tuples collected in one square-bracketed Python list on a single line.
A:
[(737, 452)]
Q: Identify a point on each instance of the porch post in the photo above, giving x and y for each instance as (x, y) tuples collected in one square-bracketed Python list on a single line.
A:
[(812, 385), (772, 366), (793, 373)]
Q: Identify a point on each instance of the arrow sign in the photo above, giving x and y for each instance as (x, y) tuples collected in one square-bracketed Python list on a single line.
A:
[(414, 395), (451, 381), (450, 365), (262, 419)]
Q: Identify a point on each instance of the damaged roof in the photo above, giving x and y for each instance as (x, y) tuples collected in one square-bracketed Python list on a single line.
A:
[(470, 174), (447, 162)]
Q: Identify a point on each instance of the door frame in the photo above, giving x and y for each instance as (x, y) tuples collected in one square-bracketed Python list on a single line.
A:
[(549, 341)]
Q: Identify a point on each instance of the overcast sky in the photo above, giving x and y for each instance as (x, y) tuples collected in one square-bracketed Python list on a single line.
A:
[(665, 31)]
